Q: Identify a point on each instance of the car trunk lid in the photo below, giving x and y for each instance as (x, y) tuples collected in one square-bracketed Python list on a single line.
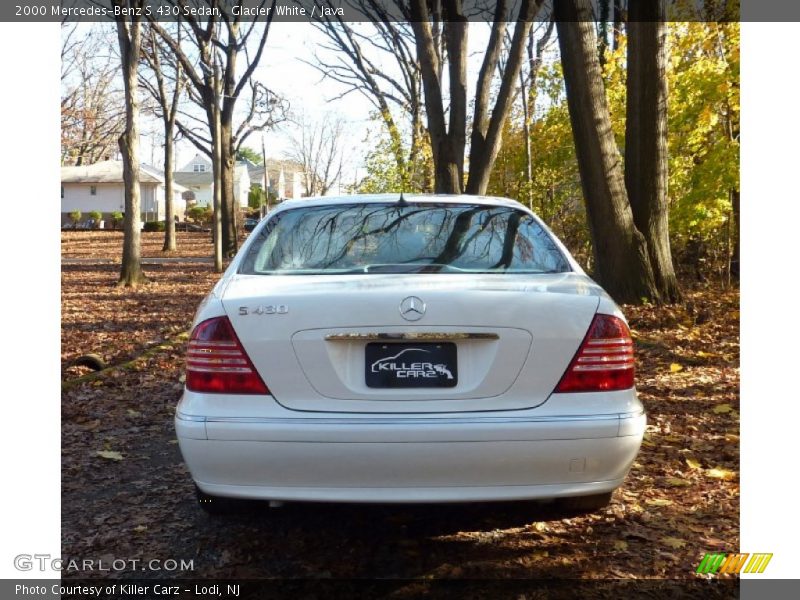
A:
[(316, 339)]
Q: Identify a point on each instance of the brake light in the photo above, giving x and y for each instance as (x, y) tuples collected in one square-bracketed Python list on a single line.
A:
[(604, 362), (217, 363)]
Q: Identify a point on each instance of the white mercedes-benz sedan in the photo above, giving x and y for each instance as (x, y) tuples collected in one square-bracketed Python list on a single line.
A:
[(417, 349)]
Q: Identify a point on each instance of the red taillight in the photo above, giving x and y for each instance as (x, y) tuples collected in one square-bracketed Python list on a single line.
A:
[(217, 363), (604, 362)]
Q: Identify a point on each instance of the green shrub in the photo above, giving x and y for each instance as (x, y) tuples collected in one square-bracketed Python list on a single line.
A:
[(96, 216), (116, 219), (200, 214), (256, 197), (154, 226), (75, 217)]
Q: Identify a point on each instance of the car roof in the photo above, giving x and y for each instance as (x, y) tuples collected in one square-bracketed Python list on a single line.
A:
[(384, 198)]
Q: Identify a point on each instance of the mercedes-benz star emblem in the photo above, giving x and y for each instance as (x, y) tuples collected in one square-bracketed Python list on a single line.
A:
[(412, 308)]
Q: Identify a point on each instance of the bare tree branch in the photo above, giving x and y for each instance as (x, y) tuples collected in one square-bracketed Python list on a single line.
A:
[(319, 148)]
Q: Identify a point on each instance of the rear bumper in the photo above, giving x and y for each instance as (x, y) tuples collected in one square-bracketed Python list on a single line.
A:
[(427, 459)]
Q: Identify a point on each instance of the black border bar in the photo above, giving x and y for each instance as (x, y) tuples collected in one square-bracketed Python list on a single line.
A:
[(398, 589), (370, 10)]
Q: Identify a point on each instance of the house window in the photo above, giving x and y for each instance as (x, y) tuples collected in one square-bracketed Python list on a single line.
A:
[(93, 190), (62, 191), (199, 168)]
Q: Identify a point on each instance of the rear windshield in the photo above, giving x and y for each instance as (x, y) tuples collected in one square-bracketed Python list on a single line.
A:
[(402, 238)]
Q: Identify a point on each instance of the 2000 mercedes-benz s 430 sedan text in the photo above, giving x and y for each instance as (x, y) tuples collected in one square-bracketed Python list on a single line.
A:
[(417, 349)]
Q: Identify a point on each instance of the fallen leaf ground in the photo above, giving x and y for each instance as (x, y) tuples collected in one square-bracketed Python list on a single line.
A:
[(107, 245), (127, 494)]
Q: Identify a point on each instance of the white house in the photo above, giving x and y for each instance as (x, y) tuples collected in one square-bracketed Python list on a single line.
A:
[(100, 187), (197, 177), (285, 178)]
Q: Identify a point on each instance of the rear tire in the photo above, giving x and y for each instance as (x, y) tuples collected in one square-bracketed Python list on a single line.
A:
[(580, 505)]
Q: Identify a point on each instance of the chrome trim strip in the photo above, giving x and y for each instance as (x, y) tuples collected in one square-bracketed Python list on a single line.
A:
[(408, 420), (422, 336), (604, 367)]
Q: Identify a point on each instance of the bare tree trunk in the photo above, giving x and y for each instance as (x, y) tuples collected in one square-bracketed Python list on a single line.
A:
[(455, 34), (734, 267), (447, 146), (220, 54), (228, 207), (170, 244), (620, 250), (416, 181), (487, 132), (526, 131), (646, 165), (535, 52), (228, 202), (129, 35), (446, 172), (602, 44), (448, 140), (619, 19), (216, 162), (157, 59)]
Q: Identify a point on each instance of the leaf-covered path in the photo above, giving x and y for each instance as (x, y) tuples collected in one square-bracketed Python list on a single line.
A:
[(126, 493)]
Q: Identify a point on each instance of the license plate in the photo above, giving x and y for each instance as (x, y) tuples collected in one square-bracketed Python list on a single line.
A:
[(426, 364)]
